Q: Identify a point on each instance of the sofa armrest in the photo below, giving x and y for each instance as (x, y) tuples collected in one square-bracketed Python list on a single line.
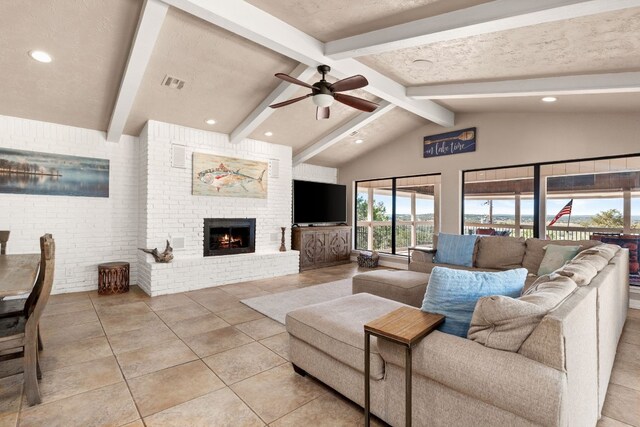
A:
[(422, 261), (422, 256), (503, 379)]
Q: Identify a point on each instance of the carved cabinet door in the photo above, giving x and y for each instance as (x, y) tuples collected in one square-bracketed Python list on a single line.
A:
[(339, 245), (313, 249)]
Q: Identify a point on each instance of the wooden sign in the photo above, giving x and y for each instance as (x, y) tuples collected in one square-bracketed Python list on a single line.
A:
[(456, 142)]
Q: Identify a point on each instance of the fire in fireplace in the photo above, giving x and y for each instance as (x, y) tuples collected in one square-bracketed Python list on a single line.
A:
[(226, 236)]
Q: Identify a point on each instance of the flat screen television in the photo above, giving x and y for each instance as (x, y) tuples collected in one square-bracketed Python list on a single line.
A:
[(317, 202)]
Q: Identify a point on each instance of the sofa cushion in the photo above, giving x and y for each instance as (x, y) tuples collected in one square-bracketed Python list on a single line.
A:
[(407, 287), (501, 253), (456, 249), (535, 250), (605, 250), (505, 323), (454, 293), (597, 261), (580, 271), (555, 256), (337, 328)]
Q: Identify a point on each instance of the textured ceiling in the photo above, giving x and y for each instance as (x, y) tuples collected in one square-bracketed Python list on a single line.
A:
[(609, 103), (89, 41), (598, 43), (296, 126), (386, 129), (329, 20), (226, 76)]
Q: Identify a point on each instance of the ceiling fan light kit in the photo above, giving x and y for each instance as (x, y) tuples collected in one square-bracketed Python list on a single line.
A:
[(324, 93), (322, 100)]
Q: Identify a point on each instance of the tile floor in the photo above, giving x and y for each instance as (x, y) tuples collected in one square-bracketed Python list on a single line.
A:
[(203, 358)]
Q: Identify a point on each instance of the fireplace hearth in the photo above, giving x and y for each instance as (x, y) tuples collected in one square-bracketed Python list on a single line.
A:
[(228, 236)]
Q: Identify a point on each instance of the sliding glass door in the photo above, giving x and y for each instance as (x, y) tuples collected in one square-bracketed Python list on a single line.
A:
[(395, 214), (499, 202)]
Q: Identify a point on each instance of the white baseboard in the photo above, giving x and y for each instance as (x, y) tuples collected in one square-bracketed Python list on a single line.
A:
[(634, 302)]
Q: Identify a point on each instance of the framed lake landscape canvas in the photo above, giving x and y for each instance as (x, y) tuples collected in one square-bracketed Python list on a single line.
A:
[(228, 177), (30, 172)]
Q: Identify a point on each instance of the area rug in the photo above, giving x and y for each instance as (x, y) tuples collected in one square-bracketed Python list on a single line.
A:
[(276, 306)]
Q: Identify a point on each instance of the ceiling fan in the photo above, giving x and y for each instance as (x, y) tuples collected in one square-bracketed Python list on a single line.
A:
[(324, 93)]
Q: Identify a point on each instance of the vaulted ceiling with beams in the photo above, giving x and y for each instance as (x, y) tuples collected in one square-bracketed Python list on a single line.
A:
[(430, 59)]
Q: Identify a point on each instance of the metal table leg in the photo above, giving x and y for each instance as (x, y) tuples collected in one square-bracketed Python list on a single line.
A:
[(407, 379), (367, 362)]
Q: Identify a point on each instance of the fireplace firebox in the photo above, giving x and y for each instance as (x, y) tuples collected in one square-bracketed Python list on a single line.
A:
[(227, 236)]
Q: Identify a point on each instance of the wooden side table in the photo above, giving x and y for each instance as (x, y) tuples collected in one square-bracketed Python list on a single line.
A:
[(113, 278), (405, 326)]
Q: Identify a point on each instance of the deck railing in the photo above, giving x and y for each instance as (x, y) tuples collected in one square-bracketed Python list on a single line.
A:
[(381, 235), (555, 232), (424, 233)]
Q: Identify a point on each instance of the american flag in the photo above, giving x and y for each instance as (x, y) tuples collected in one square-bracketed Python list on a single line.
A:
[(564, 211)]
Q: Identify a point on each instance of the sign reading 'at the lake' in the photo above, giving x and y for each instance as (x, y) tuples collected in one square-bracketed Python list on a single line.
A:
[(456, 142)]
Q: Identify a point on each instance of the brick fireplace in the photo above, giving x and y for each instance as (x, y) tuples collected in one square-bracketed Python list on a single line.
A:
[(169, 210), (228, 236)]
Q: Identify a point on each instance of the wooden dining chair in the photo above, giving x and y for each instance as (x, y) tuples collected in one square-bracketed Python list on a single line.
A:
[(4, 238), (20, 334), (16, 307)]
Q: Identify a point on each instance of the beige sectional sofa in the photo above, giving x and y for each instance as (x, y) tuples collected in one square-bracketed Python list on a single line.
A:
[(549, 365)]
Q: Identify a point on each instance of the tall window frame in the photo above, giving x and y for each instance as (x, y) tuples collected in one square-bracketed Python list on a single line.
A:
[(367, 230), (539, 193)]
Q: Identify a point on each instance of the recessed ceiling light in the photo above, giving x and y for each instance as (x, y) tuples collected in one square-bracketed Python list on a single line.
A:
[(210, 122), (40, 56), (422, 62), (359, 141), (269, 133), (549, 99)]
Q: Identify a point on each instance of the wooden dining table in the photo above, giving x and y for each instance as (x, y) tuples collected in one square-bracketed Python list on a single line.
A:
[(18, 274)]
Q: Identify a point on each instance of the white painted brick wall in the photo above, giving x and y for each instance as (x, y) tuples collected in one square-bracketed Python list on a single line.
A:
[(87, 230), (171, 210), (307, 172), (148, 201)]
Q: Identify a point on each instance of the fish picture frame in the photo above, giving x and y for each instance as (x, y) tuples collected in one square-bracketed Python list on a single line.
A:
[(222, 176)]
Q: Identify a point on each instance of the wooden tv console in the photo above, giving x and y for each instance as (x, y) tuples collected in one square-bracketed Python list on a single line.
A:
[(322, 246)]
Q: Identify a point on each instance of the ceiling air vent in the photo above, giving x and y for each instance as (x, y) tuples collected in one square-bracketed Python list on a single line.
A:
[(354, 133), (172, 82)]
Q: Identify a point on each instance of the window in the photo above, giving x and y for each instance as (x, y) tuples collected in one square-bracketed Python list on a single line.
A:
[(499, 202), (588, 197), (575, 200), (635, 211), (395, 214), (415, 212)]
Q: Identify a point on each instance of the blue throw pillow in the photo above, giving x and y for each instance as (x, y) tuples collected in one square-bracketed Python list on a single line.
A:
[(454, 293), (455, 249)]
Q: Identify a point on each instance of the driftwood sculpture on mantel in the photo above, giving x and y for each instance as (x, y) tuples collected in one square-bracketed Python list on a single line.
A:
[(165, 256)]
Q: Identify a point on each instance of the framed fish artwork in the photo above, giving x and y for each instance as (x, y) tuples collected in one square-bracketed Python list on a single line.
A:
[(228, 177)]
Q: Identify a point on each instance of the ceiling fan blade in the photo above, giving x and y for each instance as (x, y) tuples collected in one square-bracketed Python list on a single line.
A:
[(291, 101), (350, 83), (322, 113), (290, 79), (359, 103)]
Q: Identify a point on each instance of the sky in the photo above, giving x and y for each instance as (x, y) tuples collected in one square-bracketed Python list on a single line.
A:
[(580, 206)]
